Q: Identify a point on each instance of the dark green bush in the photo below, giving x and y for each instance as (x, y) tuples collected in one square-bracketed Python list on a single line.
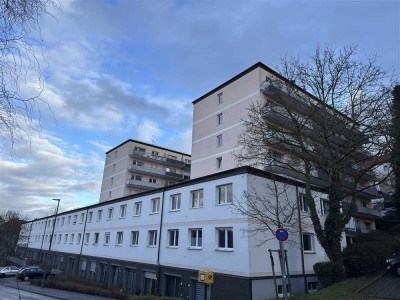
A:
[(328, 273), (367, 257), (373, 236), (394, 230)]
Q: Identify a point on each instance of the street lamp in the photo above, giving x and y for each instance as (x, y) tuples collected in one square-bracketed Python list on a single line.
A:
[(51, 238)]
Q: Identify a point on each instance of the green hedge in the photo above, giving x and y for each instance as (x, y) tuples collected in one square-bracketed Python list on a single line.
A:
[(368, 253), (328, 273)]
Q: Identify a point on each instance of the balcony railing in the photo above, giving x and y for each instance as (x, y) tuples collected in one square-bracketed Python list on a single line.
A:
[(143, 184), (158, 172), (160, 159), (361, 210)]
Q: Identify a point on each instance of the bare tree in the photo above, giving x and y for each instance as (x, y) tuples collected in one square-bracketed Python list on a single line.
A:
[(10, 229), (269, 207), (20, 67), (322, 123)]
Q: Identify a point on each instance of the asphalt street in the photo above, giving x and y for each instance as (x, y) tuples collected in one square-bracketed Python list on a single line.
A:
[(13, 289)]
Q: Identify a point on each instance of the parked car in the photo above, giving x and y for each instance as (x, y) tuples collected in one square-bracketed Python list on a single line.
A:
[(31, 273), (9, 271), (393, 264)]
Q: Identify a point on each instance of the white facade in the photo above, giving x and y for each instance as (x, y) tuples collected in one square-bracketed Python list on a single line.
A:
[(240, 256)]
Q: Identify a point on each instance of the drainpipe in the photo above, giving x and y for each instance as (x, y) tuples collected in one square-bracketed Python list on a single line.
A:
[(82, 239), (301, 241), (159, 244)]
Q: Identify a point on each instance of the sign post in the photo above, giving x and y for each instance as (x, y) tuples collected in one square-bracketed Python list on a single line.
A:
[(282, 235)]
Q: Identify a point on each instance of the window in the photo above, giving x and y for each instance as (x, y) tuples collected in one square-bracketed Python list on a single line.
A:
[(303, 204), (78, 239), (59, 238), (62, 221), (90, 216), (196, 199), (367, 225), (99, 213), (154, 153), (106, 238), (152, 180), (111, 180), (219, 140), (152, 238), (280, 290), (87, 237), (110, 213), (218, 161), (220, 98), (324, 206), (96, 238), (312, 286), (122, 211), (140, 149), (155, 205), (137, 163), (69, 220), (109, 195), (137, 210), (175, 202), (65, 238), (219, 119), (115, 153), (82, 217), (134, 238), (187, 161), (120, 238), (225, 238), (308, 242), (224, 194), (58, 221), (196, 238), (172, 156), (75, 218), (173, 236), (71, 240), (113, 167), (136, 177)]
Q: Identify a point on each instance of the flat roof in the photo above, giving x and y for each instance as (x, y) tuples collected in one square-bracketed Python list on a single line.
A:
[(147, 144)]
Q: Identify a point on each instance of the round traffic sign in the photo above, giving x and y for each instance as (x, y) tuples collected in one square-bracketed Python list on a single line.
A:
[(281, 234)]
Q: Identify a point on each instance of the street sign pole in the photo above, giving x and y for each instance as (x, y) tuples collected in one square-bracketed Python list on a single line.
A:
[(282, 235)]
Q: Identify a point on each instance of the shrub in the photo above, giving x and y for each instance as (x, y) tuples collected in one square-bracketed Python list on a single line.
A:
[(394, 230), (373, 236), (362, 258), (328, 273)]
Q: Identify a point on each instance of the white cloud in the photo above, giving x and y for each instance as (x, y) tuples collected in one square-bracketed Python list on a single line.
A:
[(47, 167)]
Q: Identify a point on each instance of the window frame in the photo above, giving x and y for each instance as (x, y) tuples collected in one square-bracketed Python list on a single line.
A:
[(227, 194), (107, 238), (134, 238), (110, 213), (219, 140), (152, 238), (137, 208), (197, 196), (173, 238), (311, 244), (175, 202), (220, 98), (155, 209), (119, 238), (197, 238), (219, 119), (227, 242), (122, 211)]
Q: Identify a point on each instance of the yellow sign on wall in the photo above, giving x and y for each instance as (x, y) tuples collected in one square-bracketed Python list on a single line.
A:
[(206, 277)]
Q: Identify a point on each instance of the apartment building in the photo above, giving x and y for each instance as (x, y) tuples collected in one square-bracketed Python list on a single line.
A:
[(134, 167), (153, 237), (156, 242), (217, 123)]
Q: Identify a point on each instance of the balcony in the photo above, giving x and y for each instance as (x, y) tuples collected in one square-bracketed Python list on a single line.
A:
[(144, 156), (143, 184), (363, 211), (157, 172)]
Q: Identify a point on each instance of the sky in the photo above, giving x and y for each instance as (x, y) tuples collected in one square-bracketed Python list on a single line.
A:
[(118, 70)]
